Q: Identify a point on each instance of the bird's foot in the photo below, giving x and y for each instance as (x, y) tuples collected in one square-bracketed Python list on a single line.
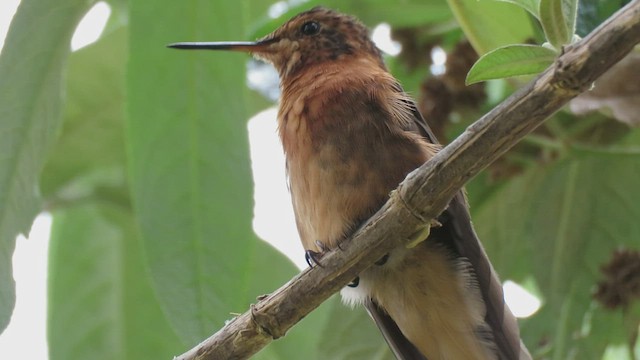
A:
[(422, 233), (313, 257)]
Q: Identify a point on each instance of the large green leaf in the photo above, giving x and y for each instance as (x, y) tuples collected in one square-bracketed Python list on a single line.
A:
[(570, 216), (101, 304), (510, 60), (31, 92), (89, 156), (190, 169), (491, 24)]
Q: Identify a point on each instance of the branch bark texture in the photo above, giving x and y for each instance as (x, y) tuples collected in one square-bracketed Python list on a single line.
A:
[(425, 193)]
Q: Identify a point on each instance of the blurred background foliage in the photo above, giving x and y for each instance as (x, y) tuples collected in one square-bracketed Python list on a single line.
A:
[(141, 155)]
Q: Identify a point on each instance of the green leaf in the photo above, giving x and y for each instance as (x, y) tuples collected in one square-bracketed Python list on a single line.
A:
[(570, 216), (491, 24), (511, 60), (91, 150), (532, 6), (31, 68), (101, 304), (190, 168), (558, 19)]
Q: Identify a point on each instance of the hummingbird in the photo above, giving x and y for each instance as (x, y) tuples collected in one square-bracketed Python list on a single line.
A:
[(350, 135)]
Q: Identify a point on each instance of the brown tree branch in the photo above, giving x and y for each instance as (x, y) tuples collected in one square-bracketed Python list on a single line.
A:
[(424, 194)]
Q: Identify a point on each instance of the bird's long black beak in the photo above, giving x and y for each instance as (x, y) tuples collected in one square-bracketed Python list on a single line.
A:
[(245, 46)]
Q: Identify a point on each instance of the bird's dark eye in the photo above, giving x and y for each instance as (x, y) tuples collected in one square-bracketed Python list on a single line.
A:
[(310, 28)]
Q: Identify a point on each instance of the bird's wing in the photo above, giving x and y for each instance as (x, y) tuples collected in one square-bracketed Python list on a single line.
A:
[(459, 233), (402, 348)]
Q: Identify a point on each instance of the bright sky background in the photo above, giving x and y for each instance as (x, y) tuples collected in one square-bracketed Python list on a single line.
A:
[(25, 338)]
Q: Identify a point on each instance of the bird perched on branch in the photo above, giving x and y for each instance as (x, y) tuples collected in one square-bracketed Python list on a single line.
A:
[(351, 134)]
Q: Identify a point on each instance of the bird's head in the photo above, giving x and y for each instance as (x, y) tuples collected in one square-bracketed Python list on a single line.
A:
[(313, 37)]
